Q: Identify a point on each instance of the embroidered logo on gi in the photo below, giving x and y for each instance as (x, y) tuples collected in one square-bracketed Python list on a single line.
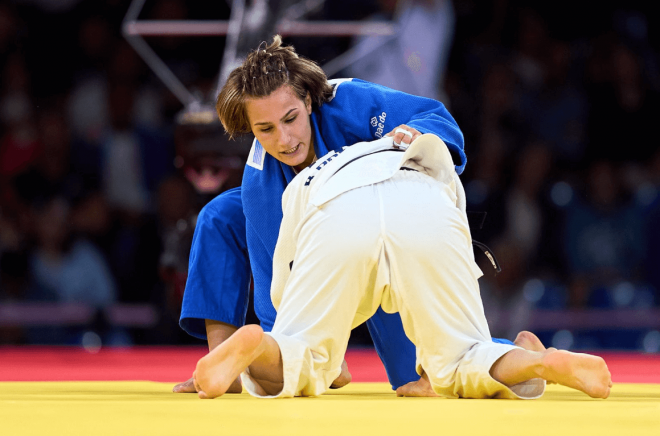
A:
[(256, 156), (379, 123)]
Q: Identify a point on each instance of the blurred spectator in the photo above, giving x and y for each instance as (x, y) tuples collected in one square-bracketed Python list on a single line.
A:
[(19, 144), (14, 276), (177, 213), (65, 268), (8, 29), (557, 111), (415, 58), (125, 156), (88, 109), (51, 173), (649, 193), (622, 100), (11, 237), (531, 50), (604, 244), (485, 186), (132, 161), (500, 107), (525, 211)]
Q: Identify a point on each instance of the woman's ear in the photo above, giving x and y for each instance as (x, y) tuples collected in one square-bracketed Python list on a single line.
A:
[(308, 103)]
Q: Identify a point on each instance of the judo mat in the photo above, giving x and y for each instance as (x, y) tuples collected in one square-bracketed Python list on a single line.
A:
[(67, 391)]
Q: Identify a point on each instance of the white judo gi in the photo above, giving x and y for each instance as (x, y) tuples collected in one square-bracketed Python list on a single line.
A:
[(358, 232)]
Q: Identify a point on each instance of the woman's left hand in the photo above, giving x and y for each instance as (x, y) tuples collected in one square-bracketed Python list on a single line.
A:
[(404, 135)]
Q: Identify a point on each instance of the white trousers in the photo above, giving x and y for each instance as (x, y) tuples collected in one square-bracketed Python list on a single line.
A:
[(403, 244)]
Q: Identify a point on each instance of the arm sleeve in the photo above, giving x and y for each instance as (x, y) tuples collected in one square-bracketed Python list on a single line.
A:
[(218, 281), (363, 111)]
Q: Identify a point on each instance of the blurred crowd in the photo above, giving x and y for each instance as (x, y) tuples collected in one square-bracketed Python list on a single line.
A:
[(99, 187)]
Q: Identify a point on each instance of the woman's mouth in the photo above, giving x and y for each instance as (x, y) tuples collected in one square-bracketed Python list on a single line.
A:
[(292, 150)]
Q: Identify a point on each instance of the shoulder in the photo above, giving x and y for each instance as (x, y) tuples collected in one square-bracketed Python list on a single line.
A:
[(335, 83), (342, 88), (350, 98), (358, 95)]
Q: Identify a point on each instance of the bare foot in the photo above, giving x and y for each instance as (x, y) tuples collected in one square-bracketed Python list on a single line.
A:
[(583, 372), (218, 371), (344, 378), (188, 387), (529, 341), (419, 388)]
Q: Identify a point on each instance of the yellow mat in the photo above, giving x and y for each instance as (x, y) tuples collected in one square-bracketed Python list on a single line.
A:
[(149, 408)]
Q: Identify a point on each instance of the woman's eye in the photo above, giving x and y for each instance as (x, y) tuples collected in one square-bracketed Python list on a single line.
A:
[(266, 129), (290, 120)]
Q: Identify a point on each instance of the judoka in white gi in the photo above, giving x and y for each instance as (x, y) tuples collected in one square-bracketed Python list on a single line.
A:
[(374, 226)]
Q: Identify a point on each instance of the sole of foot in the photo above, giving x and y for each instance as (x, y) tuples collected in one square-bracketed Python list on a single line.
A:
[(583, 372), (216, 373)]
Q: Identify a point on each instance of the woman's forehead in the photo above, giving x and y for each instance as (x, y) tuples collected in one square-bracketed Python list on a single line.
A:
[(273, 106)]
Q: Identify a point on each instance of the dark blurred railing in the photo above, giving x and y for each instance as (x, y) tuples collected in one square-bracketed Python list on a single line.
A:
[(147, 316), (585, 319), (71, 314)]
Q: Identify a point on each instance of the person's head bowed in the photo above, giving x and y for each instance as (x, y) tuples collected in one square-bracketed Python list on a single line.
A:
[(265, 70)]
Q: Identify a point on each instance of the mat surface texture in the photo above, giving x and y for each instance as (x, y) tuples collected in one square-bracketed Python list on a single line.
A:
[(116, 407)]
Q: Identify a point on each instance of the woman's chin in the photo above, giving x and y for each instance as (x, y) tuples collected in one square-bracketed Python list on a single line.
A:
[(298, 161), (298, 166)]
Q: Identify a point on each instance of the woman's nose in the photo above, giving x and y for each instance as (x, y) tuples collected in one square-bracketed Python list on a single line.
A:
[(285, 136)]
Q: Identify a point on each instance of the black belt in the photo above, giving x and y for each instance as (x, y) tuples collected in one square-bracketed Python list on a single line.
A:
[(368, 154), (476, 219), (489, 254)]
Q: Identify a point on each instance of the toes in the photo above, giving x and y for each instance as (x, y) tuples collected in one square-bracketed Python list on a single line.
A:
[(184, 387), (404, 390)]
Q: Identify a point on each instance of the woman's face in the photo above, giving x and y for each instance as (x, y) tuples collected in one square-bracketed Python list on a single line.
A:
[(280, 122)]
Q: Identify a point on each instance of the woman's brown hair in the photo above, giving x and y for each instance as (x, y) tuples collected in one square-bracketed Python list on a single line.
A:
[(263, 71)]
